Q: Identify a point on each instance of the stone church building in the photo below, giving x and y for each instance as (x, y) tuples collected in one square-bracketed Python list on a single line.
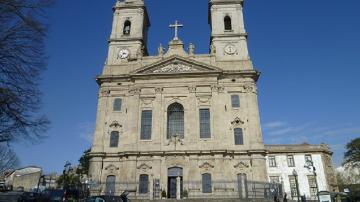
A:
[(177, 123)]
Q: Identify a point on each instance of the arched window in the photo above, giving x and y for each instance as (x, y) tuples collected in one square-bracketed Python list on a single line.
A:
[(127, 27), (114, 139), (143, 184), (227, 23), (110, 185), (175, 124), (206, 183), (117, 104)]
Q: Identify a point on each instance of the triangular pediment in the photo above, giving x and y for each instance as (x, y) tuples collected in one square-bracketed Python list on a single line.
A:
[(176, 65)]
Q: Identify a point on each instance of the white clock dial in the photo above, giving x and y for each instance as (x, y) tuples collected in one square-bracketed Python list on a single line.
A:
[(123, 53), (230, 49)]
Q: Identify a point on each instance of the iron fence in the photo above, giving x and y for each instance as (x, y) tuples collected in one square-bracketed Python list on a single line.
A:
[(194, 189)]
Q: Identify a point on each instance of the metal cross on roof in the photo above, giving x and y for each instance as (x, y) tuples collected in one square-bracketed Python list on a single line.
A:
[(176, 26)]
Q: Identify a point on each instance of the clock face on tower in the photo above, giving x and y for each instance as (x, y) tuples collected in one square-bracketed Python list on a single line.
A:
[(123, 53)]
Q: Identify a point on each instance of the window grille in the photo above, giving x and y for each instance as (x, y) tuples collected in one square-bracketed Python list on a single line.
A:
[(175, 124)]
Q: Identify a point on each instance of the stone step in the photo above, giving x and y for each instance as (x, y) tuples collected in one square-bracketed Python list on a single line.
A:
[(204, 200)]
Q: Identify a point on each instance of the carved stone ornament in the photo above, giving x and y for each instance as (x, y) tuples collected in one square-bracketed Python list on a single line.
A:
[(175, 67), (237, 121), (205, 99), (250, 89), (104, 92), (147, 100), (135, 91), (242, 165), (206, 166), (111, 168), (159, 90), (192, 89), (230, 49), (115, 125), (144, 167), (221, 89)]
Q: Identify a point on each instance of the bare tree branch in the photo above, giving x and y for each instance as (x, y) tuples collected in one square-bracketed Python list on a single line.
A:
[(22, 59), (8, 159)]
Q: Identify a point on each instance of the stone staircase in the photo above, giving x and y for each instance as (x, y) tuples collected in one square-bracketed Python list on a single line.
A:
[(204, 200)]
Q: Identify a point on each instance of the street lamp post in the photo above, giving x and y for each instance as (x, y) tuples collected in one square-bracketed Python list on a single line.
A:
[(297, 185), (65, 173)]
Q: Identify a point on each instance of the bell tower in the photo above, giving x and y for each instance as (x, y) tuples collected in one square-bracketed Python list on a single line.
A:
[(228, 35), (128, 40)]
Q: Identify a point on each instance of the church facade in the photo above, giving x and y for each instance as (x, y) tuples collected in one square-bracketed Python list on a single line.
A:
[(178, 124)]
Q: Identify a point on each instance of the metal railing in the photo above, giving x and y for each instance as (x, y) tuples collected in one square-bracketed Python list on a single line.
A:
[(193, 189)]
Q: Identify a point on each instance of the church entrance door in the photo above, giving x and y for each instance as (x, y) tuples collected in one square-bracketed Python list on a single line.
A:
[(175, 174)]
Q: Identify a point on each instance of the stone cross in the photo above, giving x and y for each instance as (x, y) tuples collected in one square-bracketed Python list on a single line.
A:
[(176, 26)]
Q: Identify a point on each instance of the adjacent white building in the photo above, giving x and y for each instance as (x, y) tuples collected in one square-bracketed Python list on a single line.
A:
[(290, 165)]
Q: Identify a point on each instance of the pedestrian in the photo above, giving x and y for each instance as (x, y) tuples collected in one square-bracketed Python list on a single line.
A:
[(285, 198)]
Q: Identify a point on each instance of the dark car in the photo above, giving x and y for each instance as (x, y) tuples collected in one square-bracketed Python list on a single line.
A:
[(106, 198), (52, 195)]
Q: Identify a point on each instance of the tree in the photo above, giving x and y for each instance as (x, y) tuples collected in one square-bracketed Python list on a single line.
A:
[(84, 163), (352, 155), (22, 59), (8, 159)]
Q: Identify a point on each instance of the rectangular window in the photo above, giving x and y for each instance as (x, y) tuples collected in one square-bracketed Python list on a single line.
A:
[(293, 185), (308, 158), (290, 161), (235, 101), (206, 183), (312, 185), (239, 137), (274, 179), (205, 123), (144, 184), (114, 139), (146, 125), (117, 104), (272, 161)]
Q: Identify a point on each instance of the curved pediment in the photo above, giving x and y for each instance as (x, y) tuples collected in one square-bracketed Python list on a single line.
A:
[(176, 64)]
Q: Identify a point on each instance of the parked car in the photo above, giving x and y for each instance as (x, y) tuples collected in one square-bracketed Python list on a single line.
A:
[(53, 195), (108, 198)]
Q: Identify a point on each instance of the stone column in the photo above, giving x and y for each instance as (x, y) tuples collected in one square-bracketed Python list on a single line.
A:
[(178, 194)]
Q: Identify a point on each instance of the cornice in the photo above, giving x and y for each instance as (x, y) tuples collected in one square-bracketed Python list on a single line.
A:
[(178, 153)]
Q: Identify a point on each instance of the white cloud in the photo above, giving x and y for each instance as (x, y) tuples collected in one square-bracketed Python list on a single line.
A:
[(336, 136), (288, 130), (275, 124)]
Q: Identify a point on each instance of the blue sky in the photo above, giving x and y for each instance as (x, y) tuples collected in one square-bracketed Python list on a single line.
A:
[(308, 52)]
